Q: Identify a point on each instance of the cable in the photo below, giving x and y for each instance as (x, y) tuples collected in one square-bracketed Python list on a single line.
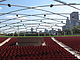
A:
[(12, 11), (36, 15), (66, 4), (51, 12), (25, 16), (32, 15), (41, 5), (2, 0), (27, 8)]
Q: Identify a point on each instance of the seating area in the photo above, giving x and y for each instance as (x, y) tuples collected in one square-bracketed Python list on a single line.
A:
[(51, 51), (11, 42), (72, 41), (2, 39)]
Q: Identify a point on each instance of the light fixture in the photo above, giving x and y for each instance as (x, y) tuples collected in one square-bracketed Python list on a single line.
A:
[(44, 15), (39, 24), (40, 20), (61, 21), (17, 15), (51, 5), (21, 20), (9, 5), (6, 25)]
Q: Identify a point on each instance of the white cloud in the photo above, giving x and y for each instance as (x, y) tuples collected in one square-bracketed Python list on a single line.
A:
[(11, 16), (1, 8)]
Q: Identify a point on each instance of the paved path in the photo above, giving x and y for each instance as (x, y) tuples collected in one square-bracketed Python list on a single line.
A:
[(5, 41)]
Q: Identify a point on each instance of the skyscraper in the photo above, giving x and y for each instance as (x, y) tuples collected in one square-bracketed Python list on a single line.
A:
[(74, 17), (68, 23), (74, 21)]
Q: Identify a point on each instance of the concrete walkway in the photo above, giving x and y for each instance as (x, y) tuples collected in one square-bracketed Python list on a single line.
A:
[(73, 52), (5, 41)]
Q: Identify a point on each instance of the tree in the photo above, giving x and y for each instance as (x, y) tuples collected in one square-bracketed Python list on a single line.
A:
[(76, 29), (67, 32)]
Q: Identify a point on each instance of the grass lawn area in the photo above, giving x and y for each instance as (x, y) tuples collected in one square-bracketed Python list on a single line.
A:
[(42, 36)]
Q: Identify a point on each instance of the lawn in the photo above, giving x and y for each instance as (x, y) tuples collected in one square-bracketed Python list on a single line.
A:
[(42, 36)]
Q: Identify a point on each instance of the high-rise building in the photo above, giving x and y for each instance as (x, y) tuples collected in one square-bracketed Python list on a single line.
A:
[(74, 21), (74, 17), (46, 31), (52, 31), (68, 23)]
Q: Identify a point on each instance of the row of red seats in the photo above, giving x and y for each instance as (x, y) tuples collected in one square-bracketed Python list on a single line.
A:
[(73, 41), (51, 51), (11, 42), (2, 39), (20, 52)]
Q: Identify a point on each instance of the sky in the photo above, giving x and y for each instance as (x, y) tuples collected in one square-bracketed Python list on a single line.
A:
[(27, 19)]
